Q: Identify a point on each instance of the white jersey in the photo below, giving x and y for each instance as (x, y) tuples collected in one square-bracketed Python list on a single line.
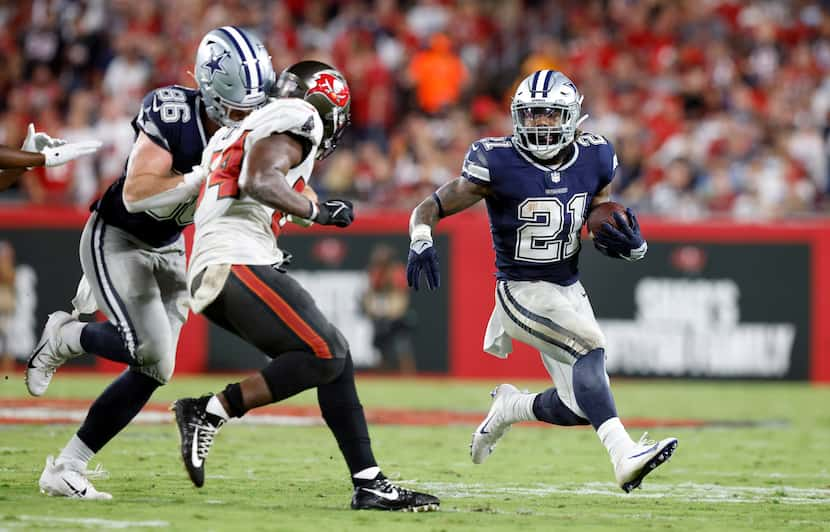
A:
[(231, 227)]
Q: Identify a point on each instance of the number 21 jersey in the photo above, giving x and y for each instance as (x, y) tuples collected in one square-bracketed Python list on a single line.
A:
[(536, 209)]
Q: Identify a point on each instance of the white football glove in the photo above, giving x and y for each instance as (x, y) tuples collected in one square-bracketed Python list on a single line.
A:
[(58, 155), (38, 141)]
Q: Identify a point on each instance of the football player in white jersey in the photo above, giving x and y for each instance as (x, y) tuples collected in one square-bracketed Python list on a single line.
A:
[(235, 279), (133, 252)]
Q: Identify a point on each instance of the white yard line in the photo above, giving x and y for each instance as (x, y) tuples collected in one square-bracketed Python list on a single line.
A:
[(91, 522), (686, 491)]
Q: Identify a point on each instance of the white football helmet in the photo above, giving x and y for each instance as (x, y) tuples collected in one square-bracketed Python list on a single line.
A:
[(546, 111)]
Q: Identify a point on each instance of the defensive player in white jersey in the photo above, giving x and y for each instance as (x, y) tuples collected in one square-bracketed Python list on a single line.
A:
[(235, 278), (539, 186), (133, 253)]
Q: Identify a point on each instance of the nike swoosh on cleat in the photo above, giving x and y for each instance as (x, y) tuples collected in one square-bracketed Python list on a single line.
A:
[(383, 495), (75, 490), (194, 449), (650, 449), (32, 358), (486, 422)]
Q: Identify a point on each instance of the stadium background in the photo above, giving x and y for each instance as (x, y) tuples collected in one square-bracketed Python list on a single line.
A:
[(718, 111)]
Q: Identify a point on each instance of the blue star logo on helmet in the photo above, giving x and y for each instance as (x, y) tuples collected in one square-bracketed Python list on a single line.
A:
[(215, 64)]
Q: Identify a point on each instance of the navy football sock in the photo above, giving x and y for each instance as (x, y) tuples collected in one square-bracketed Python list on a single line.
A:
[(344, 415), (103, 339), (593, 395), (115, 408), (548, 407)]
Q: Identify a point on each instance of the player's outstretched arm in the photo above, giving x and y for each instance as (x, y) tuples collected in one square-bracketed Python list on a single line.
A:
[(150, 182), (14, 162), (14, 159), (269, 160), (451, 198)]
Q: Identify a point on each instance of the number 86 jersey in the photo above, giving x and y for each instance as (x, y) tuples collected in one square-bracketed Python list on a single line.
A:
[(171, 118), (536, 209)]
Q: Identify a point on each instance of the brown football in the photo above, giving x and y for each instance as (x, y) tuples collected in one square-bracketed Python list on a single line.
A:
[(603, 213)]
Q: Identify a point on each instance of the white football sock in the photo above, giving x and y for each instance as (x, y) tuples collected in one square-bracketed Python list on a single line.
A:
[(369, 473), (70, 333), (615, 438), (214, 406), (76, 450), (523, 408)]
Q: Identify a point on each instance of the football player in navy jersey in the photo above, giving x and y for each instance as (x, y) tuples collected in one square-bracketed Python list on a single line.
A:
[(39, 149), (539, 185), (132, 249)]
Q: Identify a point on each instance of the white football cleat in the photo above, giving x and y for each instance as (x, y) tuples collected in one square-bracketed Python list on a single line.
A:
[(69, 479), (643, 458), (504, 411), (49, 354)]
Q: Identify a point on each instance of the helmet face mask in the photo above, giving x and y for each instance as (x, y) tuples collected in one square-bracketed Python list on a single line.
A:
[(234, 74), (546, 110), (326, 89)]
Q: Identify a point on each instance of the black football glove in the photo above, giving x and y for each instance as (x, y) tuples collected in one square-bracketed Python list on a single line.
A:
[(422, 258), (335, 212), (624, 241)]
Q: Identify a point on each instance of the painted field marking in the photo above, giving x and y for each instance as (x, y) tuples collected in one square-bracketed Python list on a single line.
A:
[(684, 491), (91, 522)]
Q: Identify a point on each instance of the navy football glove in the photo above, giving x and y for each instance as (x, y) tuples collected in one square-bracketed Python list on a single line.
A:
[(422, 258), (624, 241)]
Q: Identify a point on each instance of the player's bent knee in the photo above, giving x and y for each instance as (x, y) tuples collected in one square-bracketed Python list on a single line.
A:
[(155, 362), (158, 372), (338, 344), (330, 369)]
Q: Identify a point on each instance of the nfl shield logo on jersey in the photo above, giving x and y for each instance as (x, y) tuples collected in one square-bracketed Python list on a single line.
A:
[(555, 177)]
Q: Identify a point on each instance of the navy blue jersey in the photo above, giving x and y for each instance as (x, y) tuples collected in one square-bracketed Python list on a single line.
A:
[(170, 117), (537, 210)]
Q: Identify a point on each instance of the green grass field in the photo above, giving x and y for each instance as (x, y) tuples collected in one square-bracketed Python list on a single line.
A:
[(773, 476)]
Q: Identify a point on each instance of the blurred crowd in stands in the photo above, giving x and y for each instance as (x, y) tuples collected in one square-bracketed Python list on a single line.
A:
[(715, 107)]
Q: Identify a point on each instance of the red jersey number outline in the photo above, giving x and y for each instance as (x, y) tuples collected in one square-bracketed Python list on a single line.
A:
[(225, 175)]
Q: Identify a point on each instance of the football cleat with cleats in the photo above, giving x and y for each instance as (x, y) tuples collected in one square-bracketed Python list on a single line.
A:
[(70, 479), (643, 458), (50, 353), (197, 429), (380, 494), (504, 411)]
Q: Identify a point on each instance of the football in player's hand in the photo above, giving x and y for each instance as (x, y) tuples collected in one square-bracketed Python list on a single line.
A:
[(604, 213)]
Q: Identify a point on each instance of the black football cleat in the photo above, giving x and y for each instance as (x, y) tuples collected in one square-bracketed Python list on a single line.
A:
[(380, 494), (197, 429)]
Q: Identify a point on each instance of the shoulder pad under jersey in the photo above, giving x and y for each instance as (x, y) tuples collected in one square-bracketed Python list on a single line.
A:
[(162, 114), (477, 163), (284, 115)]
